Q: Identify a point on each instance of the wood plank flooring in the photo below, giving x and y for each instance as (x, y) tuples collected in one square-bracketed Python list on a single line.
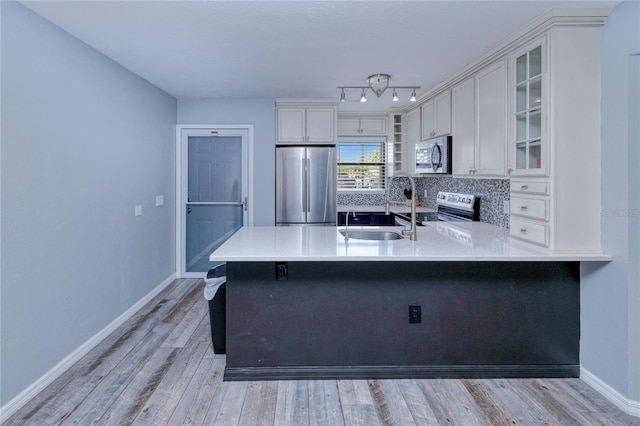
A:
[(159, 369)]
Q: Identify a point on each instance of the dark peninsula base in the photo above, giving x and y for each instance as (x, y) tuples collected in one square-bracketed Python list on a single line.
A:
[(331, 320)]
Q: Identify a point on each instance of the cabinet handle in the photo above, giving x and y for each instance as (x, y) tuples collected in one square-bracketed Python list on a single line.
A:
[(523, 207), (524, 187), (523, 230)]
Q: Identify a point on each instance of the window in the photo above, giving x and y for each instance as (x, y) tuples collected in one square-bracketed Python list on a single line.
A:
[(362, 165)]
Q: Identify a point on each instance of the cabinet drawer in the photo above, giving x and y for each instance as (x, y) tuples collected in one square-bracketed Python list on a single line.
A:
[(528, 207), (537, 233), (527, 187)]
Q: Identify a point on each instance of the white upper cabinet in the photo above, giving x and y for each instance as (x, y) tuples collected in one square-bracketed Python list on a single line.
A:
[(528, 150), (491, 95), (436, 116), (355, 126), (463, 119), (413, 136), (478, 109), (297, 125)]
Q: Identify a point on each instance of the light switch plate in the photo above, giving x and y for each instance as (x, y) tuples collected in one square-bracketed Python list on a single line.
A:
[(159, 200), (138, 211)]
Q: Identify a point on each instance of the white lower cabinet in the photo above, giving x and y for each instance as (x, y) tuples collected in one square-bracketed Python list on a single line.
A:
[(530, 231), (530, 211), (530, 207)]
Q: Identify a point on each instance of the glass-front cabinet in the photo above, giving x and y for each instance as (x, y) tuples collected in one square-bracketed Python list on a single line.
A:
[(528, 142)]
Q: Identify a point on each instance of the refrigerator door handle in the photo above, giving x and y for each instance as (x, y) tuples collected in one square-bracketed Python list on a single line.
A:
[(303, 178), (307, 192)]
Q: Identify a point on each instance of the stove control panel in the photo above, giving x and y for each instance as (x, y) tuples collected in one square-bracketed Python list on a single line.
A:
[(452, 199)]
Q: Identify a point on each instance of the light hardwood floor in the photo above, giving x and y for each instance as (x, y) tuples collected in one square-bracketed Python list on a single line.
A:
[(159, 369)]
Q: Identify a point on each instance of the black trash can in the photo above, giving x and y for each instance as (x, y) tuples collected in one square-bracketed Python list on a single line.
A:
[(217, 309)]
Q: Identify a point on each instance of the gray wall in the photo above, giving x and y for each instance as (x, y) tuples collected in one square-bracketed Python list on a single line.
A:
[(262, 114), (610, 341), (83, 141)]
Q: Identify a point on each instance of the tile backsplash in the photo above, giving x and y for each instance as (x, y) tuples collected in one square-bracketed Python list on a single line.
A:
[(492, 193)]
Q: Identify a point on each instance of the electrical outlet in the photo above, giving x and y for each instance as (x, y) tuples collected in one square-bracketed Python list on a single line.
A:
[(415, 314), (282, 271), (425, 193), (159, 200), (505, 207)]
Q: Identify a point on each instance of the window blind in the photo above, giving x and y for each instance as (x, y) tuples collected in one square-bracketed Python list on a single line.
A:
[(361, 165)]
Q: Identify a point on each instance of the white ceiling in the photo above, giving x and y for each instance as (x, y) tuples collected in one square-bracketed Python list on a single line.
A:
[(293, 49)]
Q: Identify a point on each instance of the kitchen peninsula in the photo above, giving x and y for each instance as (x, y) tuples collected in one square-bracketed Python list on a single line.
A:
[(464, 300)]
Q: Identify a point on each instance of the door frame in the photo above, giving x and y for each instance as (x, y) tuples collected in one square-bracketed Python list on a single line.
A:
[(183, 131)]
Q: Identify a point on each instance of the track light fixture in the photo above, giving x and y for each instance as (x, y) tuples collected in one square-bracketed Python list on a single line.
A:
[(378, 83)]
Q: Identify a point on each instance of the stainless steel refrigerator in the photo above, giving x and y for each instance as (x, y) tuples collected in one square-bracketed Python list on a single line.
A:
[(306, 185)]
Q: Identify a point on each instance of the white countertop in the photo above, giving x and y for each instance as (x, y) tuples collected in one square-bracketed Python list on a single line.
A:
[(437, 241)]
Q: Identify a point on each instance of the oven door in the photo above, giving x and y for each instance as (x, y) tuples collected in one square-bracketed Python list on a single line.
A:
[(448, 214), (445, 217)]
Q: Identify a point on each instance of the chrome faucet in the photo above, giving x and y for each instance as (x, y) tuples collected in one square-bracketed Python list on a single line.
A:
[(346, 228), (411, 232)]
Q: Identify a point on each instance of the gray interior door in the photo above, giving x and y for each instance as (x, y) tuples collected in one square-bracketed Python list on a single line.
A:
[(214, 207)]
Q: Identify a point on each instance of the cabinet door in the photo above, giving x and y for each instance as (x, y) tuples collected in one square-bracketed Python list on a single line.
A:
[(348, 126), (291, 125), (362, 126), (373, 126), (413, 136), (528, 145), (491, 92), (442, 111), (464, 127), (436, 116), (428, 120), (321, 126)]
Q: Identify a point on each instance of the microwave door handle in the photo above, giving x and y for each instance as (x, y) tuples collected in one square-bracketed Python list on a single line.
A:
[(435, 150)]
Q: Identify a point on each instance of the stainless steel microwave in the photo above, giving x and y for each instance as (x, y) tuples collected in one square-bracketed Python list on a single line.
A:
[(434, 155)]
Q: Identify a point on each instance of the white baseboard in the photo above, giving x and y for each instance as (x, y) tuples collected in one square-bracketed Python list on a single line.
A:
[(627, 405), (45, 380)]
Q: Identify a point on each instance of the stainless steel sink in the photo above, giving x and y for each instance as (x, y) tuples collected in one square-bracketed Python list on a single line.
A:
[(375, 235)]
